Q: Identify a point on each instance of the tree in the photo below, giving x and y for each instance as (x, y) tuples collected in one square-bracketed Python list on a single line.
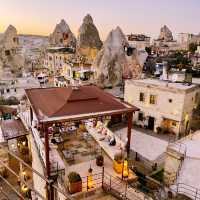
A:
[(148, 50), (12, 101), (9, 101), (193, 47), (179, 59), (2, 100)]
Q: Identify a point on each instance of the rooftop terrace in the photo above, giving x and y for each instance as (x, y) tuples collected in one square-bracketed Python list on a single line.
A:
[(163, 84)]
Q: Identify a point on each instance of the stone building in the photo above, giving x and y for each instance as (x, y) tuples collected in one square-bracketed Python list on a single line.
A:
[(164, 105), (184, 40), (56, 58), (139, 41), (65, 64), (165, 41)]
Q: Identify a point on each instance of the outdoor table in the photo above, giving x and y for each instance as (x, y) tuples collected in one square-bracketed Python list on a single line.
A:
[(69, 156)]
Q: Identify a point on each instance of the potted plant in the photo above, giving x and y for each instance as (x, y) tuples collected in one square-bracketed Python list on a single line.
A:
[(159, 130), (74, 182), (99, 160), (118, 163)]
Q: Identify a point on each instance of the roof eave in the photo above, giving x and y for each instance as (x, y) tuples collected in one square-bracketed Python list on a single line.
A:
[(88, 115)]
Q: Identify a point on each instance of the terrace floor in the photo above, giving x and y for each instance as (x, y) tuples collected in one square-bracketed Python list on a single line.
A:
[(148, 146), (78, 148), (167, 137)]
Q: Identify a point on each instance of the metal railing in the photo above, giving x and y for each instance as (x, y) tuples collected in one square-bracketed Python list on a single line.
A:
[(96, 182), (192, 192), (43, 178), (182, 149), (112, 185), (179, 147), (121, 189)]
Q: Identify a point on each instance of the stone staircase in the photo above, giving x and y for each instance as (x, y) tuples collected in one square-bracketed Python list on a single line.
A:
[(175, 155)]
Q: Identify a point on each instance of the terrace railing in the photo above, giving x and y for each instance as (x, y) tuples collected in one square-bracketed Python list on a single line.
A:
[(181, 149), (113, 185), (187, 190), (178, 147)]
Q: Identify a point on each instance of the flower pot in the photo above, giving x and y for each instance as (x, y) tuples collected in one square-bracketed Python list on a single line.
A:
[(74, 182), (99, 161), (75, 187)]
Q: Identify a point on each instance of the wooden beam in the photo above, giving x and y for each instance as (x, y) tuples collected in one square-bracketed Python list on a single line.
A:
[(130, 123)]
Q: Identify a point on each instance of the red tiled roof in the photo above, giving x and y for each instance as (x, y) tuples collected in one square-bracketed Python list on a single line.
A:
[(67, 101)]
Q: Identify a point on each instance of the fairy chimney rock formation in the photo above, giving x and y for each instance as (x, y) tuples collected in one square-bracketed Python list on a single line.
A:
[(88, 41), (62, 35), (9, 39), (113, 62), (165, 34)]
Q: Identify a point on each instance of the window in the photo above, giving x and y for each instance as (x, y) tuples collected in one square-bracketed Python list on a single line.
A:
[(152, 99), (141, 96), (174, 123), (170, 100), (7, 53), (140, 116)]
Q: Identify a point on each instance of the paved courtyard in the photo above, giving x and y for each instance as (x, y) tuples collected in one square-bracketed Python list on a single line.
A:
[(148, 146)]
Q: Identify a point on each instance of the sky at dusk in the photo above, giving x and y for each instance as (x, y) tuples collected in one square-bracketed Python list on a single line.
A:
[(136, 16)]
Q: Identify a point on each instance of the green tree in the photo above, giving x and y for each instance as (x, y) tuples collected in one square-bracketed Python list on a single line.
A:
[(179, 59), (148, 50), (193, 47)]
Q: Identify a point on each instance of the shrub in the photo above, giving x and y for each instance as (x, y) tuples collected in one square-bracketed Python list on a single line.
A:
[(118, 157), (159, 129), (74, 177), (99, 160), (12, 101)]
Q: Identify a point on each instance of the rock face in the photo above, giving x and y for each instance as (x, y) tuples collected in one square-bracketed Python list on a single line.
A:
[(9, 40), (113, 62), (9, 43), (165, 34), (88, 41), (62, 35), (135, 62)]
